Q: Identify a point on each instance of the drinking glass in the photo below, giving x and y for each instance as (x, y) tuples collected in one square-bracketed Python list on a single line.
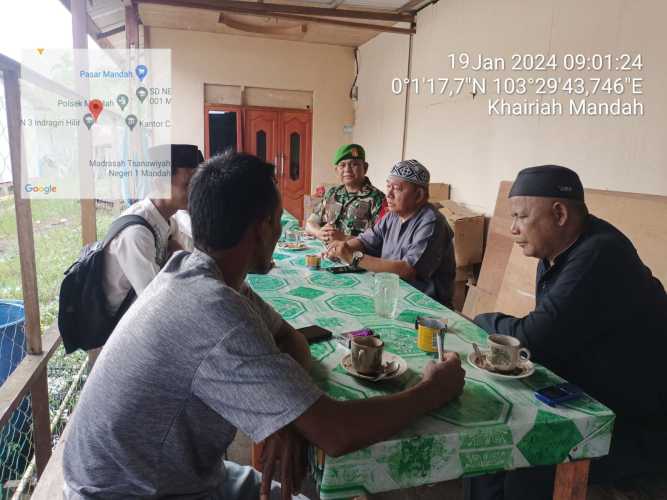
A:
[(386, 294), (293, 237)]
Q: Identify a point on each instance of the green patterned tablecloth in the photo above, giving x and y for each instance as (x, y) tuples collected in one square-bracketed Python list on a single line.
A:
[(494, 425)]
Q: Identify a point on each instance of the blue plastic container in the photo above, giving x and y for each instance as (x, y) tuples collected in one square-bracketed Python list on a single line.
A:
[(15, 440), (12, 336)]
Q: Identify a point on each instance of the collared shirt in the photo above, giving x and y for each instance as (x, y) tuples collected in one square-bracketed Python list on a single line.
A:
[(600, 321), (134, 257), (351, 213), (183, 234), (425, 242), (189, 363)]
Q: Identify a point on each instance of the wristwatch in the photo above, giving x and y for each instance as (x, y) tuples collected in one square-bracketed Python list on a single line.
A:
[(356, 258)]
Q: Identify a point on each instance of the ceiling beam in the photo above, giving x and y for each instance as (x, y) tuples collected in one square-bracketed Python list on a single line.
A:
[(111, 32), (269, 9), (296, 30), (334, 22), (413, 5), (92, 28)]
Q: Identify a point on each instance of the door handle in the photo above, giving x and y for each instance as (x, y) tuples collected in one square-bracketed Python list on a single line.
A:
[(282, 164)]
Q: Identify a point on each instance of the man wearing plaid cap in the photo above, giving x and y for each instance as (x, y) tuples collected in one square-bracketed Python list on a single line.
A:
[(413, 240)]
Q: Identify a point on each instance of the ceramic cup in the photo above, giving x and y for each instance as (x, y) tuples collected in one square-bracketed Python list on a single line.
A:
[(506, 353), (366, 355)]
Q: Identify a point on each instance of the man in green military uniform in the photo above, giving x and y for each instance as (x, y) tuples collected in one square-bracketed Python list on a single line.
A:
[(354, 206)]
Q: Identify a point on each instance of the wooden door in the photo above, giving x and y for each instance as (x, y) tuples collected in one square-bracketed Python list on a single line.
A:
[(261, 134), (294, 155)]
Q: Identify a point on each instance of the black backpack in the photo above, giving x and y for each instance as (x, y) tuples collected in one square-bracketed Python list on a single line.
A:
[(84, 320)]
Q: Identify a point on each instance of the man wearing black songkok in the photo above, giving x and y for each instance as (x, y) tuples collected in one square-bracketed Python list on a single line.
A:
[(136, 255), (600, 322)]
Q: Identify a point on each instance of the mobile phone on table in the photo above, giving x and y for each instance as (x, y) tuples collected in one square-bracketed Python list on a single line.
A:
[(345, 269), (314, 333), (559, 393)]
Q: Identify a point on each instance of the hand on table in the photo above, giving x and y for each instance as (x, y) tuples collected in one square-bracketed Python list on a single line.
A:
[(329, 233), (447, 376), (289, 448), (340, 250)]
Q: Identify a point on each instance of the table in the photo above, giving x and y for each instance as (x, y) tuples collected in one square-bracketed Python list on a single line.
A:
[(495, 425)]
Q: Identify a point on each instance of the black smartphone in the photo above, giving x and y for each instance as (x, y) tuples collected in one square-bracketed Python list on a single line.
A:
[(559, 393), (314, 333), (345, 269)]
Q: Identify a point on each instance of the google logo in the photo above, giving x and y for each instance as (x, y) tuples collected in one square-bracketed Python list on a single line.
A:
[(29, 188)]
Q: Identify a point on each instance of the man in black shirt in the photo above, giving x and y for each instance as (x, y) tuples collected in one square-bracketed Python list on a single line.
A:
[(600, 322)]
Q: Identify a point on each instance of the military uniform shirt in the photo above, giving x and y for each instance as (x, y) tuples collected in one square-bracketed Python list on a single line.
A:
[(351, 213)]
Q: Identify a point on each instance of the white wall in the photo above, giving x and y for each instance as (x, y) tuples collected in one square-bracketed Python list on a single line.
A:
[(379, 113), (464, 146), (199, 58)]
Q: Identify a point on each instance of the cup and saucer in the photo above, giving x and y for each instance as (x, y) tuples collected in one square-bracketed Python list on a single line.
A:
[(505, 358), (291, 245), (293, 240), (367, 360)]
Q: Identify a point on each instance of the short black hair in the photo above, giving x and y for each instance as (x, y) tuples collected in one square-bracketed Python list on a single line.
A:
[(227, 194)]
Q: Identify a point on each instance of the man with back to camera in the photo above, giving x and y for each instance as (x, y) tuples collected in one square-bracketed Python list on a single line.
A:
[(595, 302), (413, 240), (160, 409)]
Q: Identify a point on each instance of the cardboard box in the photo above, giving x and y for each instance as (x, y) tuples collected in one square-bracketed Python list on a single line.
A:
[(478, 301), (439, 191), (464, 273), (465, 276), (468, 227), (459, 296)]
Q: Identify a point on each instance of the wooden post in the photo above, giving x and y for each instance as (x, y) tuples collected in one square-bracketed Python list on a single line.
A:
[(39, 391), (80, 41), (131, 26), (571, 480), (23, 217), (256, 456)]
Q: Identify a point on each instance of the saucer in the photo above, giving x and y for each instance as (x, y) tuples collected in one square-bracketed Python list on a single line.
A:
[(292, 246), (525, 369), (387, 358)]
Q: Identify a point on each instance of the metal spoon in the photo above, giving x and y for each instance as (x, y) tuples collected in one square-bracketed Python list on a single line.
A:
[(478, 353), (390, 368)]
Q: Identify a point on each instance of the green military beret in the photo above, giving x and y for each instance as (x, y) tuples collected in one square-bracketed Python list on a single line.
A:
[(349, 151)]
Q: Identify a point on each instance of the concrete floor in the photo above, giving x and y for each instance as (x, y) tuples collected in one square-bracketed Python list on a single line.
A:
[(239, 452)]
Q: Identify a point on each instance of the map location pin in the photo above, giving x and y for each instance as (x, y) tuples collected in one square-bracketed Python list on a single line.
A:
[(88, 120), (141, 72), (142, 93), (131, 121), (96, 106), (122, 101)]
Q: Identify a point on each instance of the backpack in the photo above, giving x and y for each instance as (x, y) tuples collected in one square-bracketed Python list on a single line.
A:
[(84, 320)]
